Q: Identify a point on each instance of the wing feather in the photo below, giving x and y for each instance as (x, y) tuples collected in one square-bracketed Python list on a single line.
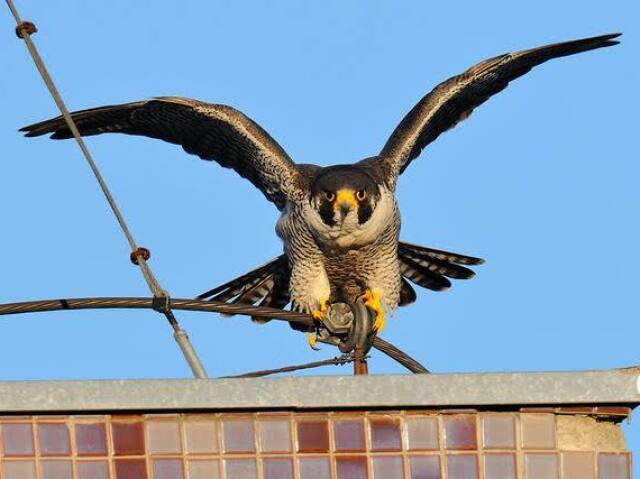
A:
[(210, 131), (453, 100)]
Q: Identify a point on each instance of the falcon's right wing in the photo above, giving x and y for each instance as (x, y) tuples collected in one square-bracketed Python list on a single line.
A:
[(213, 132)]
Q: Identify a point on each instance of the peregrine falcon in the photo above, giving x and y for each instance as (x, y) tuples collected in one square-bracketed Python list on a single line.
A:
[(339, 224)]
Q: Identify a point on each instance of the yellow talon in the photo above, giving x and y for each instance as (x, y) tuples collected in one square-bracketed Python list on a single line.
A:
[(318, 314), (312, 339), (372, 301)]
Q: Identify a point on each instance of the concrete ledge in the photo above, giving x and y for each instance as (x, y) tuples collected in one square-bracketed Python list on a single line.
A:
[(613, 387)]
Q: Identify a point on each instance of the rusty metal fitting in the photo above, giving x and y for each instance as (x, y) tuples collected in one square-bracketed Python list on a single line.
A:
[(25, 27), (161, 304), (144, 252)]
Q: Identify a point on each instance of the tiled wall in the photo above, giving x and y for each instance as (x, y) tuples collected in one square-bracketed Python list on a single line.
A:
[(344, 445)]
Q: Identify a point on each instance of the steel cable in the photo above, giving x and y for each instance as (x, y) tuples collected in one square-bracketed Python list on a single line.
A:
[(197, 305)]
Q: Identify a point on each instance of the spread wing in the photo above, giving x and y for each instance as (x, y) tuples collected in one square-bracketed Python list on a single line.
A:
[(453, 100), (213, 132)]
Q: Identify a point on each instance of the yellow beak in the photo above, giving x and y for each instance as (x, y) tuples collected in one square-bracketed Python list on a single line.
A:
[(345, 201)]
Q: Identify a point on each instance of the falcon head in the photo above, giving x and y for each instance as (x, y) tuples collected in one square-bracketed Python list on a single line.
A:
[(345, 200)]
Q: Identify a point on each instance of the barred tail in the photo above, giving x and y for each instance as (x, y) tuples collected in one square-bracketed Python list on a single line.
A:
[(268, 285), (431, 268)]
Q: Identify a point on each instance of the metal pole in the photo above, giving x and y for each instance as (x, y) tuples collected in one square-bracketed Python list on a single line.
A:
[(360, 365)]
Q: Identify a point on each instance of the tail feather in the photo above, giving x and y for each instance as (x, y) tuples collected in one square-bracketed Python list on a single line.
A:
[(240, 290), (439, 266), (256, 292), (238, 285), (423, 251), (268, 285), (407, 293), (422, 276)]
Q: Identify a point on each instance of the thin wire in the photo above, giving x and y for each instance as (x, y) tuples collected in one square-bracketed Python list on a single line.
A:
[(337, 361), (156, 290), (72, 126)]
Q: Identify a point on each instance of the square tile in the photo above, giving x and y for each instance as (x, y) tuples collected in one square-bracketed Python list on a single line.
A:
[(499, 431), (202, 469), (17, 439), (348, 435), (314, 468), (614, 466), (163, 437), (538, 431), (579, 464), (501, 466), (201, 436), (351, 467), (167, 469), (130, 469), (313, 436), (385, 434), (281, 468), (128, 438), (275, 435), (19, 470), (56, 470), (241, 469), (53, 439), (460, 432), (424, 467), (422, 432), (462, 466), (541, 466), (92, 470), (388, 467), (91, 439), (238, 434)]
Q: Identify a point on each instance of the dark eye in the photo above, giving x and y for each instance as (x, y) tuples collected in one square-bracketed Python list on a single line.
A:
[(329, 195), (361, 195)]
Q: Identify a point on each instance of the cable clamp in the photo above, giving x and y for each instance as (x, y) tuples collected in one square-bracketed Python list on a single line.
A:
[(25, 27), (144, 252), (161, 304)]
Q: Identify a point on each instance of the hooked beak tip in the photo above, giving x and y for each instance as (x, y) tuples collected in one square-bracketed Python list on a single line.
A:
[(344, 209)]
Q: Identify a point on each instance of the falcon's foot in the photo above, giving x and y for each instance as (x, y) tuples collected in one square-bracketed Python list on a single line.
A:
[(312, 339), (372, 301), (318, 315)]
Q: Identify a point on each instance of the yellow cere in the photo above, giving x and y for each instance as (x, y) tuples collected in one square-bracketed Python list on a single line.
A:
[(346, 196)]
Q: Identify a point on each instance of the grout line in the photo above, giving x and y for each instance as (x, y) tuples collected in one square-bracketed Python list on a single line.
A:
[(36, 448), (110, 446), (256, 446), (442, 441), (292, 445)]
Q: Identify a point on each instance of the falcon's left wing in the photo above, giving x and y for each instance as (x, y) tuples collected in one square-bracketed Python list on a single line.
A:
[(213, 132), (454, 100)]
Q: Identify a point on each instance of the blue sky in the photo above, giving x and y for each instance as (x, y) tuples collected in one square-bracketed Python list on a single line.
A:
[(541, 180)]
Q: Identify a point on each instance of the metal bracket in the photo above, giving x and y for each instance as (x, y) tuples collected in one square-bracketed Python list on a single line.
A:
[(348, 326)]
